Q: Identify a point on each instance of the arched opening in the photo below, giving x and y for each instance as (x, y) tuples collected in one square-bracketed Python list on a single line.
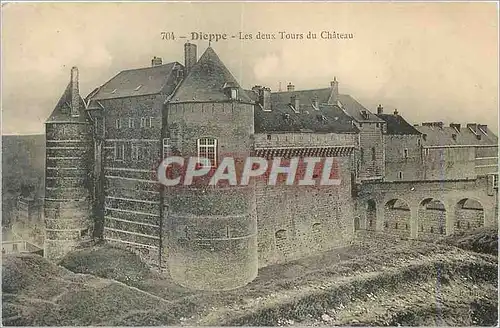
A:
[(469, 214), (281, 243), (371, 215), (397, 218), (356, 224), (431, 219)]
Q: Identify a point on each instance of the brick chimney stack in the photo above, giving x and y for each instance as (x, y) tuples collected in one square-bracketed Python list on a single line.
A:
[(190, 56), (334, 92), (290, 87), (75, 92), (380, 109), (156, 61)]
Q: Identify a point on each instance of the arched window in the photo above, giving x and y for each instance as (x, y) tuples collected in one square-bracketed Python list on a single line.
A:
[(207, 148)]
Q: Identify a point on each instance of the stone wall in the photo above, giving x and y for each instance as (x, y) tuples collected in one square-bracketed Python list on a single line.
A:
[(403, 159), (449, 163), (297, 221), (371, 153), (131, 154)]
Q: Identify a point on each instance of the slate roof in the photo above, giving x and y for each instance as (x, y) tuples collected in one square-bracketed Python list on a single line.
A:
[(139, 82), (205, 82), (396, 124), (436, 136), (282, 118), (62, 111), (352, 107)]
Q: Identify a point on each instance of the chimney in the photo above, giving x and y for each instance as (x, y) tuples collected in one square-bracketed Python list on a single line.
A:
[(334, 93), (380, 109), (75, 92), (256, 89), (295, 102), (156, 61), (290, 87), (396, 112), (456, 126), (190, 56), (266, 98), (439, 125)]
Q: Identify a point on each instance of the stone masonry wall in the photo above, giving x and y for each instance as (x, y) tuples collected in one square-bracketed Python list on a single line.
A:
[(297, 221)]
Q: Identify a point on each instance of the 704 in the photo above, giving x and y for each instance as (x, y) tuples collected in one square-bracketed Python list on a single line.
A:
[(167, 36)]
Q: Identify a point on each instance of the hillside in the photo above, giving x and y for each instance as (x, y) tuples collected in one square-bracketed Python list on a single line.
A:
[(23, 163), (373, 282)]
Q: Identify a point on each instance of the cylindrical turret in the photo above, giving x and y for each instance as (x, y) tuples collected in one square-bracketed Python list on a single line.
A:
[(211, 231), (69, 151)]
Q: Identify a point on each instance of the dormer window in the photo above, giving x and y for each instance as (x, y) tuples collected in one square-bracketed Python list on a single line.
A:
[(234, 93), (114, 91), (231, 90), (138, 87)]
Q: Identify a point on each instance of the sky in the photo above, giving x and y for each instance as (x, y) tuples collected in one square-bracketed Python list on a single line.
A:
[(431, 61)]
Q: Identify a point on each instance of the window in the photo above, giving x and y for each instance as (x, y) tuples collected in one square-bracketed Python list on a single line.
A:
[(207, 148), (373, 153), (166, 147), (130, 122), (234, 93), (495, 181), (136, 152), (14, 248), (119, 152), (118, 123), (151, 119), (405, 153), (280, 235), (426, 151), (400, 175), (361, 153), (268, 137), (143, 122), (418, 142)]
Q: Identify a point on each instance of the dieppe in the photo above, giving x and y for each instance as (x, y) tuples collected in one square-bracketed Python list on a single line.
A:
[(208, 36)]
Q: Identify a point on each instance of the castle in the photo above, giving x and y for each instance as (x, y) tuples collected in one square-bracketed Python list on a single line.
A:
[(414, 181)]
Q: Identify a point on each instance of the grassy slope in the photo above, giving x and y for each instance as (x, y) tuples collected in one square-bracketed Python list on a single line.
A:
[(373, 283)]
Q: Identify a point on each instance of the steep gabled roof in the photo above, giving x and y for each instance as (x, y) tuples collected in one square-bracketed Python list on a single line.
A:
[(348, 104), (206, 80), (62, 111), (396, 124), (443, 136), (282, 118), (139, 82)]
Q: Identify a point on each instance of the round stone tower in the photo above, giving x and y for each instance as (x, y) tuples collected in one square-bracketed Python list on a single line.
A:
[(210, 231), (69, 147)]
